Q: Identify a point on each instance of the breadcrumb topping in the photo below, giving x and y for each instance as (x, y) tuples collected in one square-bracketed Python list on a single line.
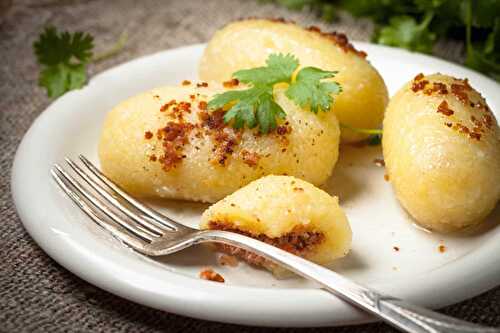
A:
[(445, 109), (299, 242), (175, 135), (460, 90)]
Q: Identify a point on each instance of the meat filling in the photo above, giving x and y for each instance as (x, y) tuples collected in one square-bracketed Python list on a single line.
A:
[(298, 242)]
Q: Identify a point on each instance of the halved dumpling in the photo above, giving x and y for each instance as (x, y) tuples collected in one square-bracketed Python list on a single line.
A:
[(286, 212)]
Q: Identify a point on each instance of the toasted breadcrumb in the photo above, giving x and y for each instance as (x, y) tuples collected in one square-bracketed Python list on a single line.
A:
[(211, 275)]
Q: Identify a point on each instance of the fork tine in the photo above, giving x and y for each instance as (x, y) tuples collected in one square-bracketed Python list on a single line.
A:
[(135, 230), (151, 226), (136, 243), (160, 218)]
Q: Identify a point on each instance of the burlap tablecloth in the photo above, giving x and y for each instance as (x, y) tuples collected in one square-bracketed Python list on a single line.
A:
[(38, 295)]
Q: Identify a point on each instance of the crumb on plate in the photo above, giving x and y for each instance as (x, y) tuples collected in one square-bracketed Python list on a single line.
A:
[(211, 275)]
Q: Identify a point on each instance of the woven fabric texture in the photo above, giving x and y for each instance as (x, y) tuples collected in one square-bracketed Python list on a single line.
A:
[(38, 295)]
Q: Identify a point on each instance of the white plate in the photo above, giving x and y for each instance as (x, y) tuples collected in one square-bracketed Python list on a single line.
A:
[(417, 272)]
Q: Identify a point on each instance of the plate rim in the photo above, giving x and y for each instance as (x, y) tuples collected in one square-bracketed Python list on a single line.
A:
[(319, 302)]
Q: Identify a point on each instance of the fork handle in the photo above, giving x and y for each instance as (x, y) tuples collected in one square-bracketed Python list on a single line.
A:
[(407, 317)]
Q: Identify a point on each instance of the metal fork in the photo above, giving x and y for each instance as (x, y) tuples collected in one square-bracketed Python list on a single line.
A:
[(153, 234)]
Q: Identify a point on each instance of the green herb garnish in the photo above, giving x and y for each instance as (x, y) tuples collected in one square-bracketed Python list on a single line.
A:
[(417, 24), (308, 89), (255, 106), (64, 57)]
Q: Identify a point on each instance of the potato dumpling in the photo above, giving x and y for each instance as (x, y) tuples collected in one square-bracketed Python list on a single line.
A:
[(286, 212), (441, 148), (165, 143), (248, 43)]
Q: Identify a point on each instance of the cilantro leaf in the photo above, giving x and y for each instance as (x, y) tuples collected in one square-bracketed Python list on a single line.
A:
[(63, 57), (249, 107), (267, 112), (81, 46), (403, 31), (53, 48), (220, 100), (61, 78), (308, 89), (279, 69), (255, 106), (242, 112)]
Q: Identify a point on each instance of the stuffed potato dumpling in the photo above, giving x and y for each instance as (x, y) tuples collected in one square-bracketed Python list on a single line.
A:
[(248, 43), (285, 212), (441, 148), (165, 143)]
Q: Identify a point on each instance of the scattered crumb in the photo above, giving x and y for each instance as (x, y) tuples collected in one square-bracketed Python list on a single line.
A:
[(250, 158), (442, 248), (386, 177), (379, 162), (211, 275), (186, 83), (445, 109), (394, 268), (396, 248), (203, 105), (227, 260)]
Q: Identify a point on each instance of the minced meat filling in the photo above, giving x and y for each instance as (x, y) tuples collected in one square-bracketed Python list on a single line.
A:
[(298, 242)]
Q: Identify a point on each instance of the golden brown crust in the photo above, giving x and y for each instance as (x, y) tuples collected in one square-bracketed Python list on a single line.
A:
[(340, 39)]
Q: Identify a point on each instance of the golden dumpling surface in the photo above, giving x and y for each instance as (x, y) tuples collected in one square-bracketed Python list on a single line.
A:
[(441, 147), (247, 44), (164, 143)]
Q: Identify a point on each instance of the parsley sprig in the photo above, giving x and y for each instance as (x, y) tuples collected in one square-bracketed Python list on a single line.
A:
[(308, 89), (64, 56), (255, 106)]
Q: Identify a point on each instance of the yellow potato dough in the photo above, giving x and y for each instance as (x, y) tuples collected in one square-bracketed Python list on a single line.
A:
[(248, 43), (441, 148), (212, 163), (274, 206)]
